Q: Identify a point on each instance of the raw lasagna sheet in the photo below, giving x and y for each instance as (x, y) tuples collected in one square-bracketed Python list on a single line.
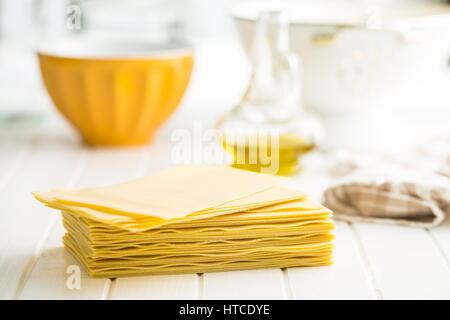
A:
[(170, 194), (193, 219), (273, 195)]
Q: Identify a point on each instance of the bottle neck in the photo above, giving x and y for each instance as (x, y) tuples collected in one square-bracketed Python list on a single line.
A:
[(272, 35)]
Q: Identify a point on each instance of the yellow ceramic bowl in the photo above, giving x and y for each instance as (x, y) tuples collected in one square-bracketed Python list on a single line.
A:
[(119, 99)]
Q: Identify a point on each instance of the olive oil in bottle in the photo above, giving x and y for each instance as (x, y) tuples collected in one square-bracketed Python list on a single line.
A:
[(250, 156)]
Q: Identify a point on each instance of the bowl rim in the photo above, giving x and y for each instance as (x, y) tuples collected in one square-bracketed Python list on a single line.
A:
[(94, 48)]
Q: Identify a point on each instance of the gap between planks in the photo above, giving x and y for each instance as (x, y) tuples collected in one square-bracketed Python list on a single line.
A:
[(108, 289), (366, 262), (286, 285), (199, 286), (438, 246)]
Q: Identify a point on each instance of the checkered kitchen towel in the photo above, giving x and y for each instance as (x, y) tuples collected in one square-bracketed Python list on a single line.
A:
[(411, 188)]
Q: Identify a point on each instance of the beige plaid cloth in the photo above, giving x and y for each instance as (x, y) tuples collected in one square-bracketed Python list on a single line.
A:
[(411, 188)]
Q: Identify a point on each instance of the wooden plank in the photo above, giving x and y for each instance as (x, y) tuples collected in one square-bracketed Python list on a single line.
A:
[(105, 166), (179, 286), (51, 273), (246, 284), (24, 219), (406, 262), (345, 279)]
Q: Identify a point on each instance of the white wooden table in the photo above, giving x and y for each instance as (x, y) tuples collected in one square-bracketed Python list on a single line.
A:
[(371, 261)]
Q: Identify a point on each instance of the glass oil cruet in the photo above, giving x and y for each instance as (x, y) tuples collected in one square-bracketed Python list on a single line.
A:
[(268, 130)]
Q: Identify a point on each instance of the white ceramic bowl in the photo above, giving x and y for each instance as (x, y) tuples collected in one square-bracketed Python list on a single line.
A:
[(355, 56)]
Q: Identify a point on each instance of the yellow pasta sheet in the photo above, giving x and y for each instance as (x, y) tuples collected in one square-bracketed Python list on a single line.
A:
[(169, 194), (193, 218)]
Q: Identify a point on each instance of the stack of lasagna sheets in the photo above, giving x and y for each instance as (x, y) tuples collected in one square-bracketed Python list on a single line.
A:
[(192, 219)]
